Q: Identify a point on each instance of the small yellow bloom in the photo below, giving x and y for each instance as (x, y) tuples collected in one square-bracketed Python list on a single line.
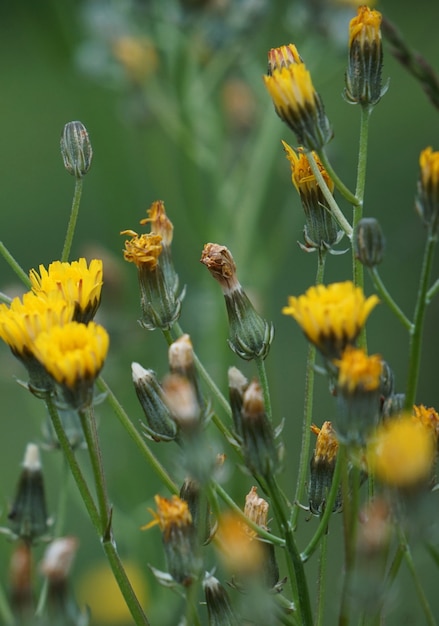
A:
[(238, 548), (301, 173), (160, 222), (428, 417), (142, 250), (429, 164), (291, 88), (365, 26), (137, 55), (24, 320), (284, 56), (171, 513), (75, 281), (327, 445), (402, 452), (73, 353), (356, 370), (331, 316)]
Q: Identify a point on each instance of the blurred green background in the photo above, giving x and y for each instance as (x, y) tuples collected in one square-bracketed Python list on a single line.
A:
[(172, 96)]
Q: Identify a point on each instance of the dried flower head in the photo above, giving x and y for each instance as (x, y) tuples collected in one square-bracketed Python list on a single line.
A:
[(142, 250)]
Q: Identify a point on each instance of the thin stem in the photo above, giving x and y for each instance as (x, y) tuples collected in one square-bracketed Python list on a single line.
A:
[(387, 298), (14, 265), (308, 410), (6, 614), (260, 364), (335, 209), (418, 321), (321, 581), (4, 298), (294, 562), (345, 192), (432, 291), (137, 438), (72, 221)]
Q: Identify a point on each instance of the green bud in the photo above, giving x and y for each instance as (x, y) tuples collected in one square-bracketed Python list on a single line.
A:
[(369, 242), (238, 383), (219, 609), (76, 149)]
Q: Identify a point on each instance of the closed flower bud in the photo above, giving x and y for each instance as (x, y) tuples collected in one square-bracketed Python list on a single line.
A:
[(322, 468), (28, 515), (219, 609), (238, 384), (250, 336), (260, 454), (159, 423), (181, 361), (195, 497), (369, 242), (427, 197), (363, 75), (76, 149)]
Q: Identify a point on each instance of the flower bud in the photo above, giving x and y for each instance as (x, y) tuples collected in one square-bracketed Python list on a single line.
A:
[(76, 149), (20, 583), (322, 468), (250, 336), (219, 609), (160, 426), (238, 384), (369, 242), (28, 515), (427, 196), (181, 362)]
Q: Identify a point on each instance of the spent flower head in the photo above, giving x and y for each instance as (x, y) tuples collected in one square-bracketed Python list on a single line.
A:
[(322, 466), (76, 281), (295, 100), (331, 316)]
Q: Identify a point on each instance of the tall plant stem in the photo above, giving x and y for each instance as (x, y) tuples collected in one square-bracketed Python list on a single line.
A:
[(294, 561), (260, 364), (107, 539), (308, 409), (387, 298), (321, 579), (14, 265), (418, 321), (72, 221)]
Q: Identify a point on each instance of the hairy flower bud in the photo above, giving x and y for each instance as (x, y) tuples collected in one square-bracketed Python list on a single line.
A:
[(76, 149), (369, 242)]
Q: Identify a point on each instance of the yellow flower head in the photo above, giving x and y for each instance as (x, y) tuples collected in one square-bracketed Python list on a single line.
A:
[(137, 55), (284, 56), (365, 26), (428, 417), (301, 174), (238, 548), (160, 222), (73, 354), (24, 320), (429, 164), (171, 513), (75, 281), (327, 445), (142, 250), (331, 316), (427, 197), (402, 452), (290, 87), (357, 371)]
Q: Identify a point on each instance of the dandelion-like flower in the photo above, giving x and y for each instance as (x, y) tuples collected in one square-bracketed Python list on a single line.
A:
[(321, 231), (429, 417), (332, 316), (359, 387), (77, 282), (23, 320), (295, 100), (322, 468), (402, 452), (142, 250), (427, 197), (363, 76), (73, 355)]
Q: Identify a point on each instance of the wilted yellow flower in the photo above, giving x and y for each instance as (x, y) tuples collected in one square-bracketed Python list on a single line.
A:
[(23, 320), (171, 512), (301, 173), (142, 250), (356, 370), (402, 452), (428, 417), (75, 281), (427, 197), (73, 353), (160, 222), (322, 468), (327, 445), (331, 316), (365, 26)]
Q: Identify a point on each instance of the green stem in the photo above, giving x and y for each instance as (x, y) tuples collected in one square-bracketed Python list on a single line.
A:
[(418, 322), (335, 209), (432, 291), (357, 267), (6, 614), (262, 373), (14, 265), (387, 298), (137, 438), (72, 221), (321, 580), (345, 192), (308, 409), (4, 298), (294, 562)]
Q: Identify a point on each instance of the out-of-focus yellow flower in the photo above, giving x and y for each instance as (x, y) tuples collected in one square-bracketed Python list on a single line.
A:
[(428, 417), (137, 55), (171, 512), (240, 551), (356, 370), (402, 452), (427, 197), (77, 282), (142, 250), (331, 316)]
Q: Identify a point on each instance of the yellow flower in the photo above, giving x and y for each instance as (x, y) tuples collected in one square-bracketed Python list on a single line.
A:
[(171, 513), (142, 250), (73, 353), (427, 197), (327, 445), (402, 452), (295, 100), (137, 55), (24, 320), (301, 173), (428, 417), (240, 550), (365, 26), (356, 370), (331, 316), (160, 222), (322, 468), (77, 282)]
